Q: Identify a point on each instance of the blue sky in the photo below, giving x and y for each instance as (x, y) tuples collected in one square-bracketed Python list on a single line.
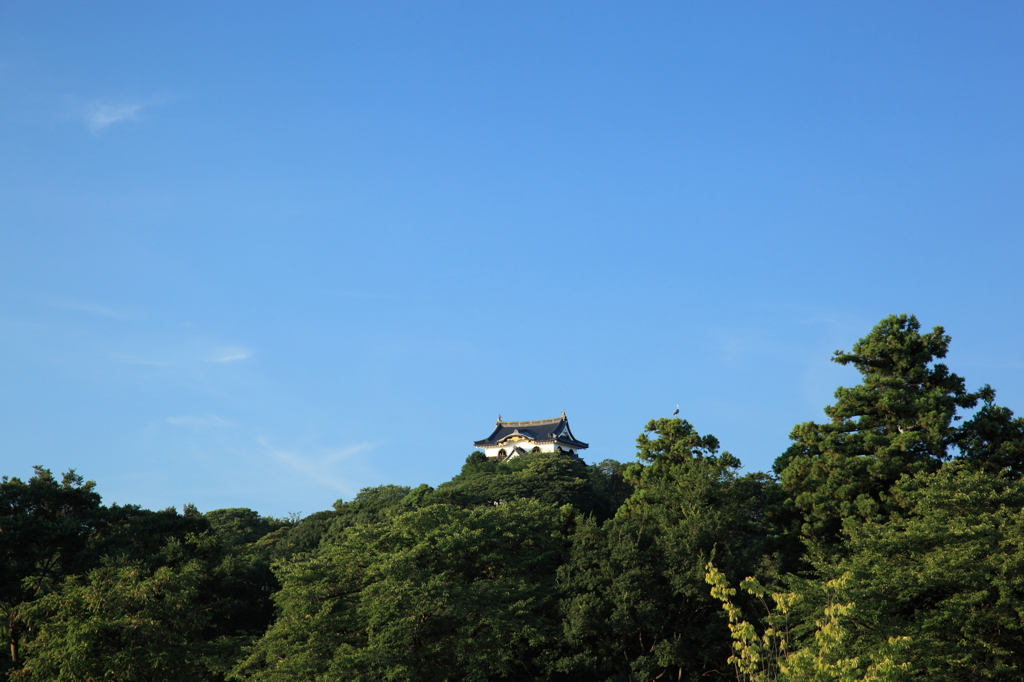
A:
[(266, 254)]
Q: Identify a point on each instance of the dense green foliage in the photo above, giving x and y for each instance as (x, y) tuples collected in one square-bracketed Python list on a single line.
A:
[(887, 544)]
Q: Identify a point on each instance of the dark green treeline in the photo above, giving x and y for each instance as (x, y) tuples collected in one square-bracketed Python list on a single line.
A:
[(887, 544)]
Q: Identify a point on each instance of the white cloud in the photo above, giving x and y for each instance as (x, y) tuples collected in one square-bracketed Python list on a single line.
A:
[(197, 420), (86, 307), (320, 469), (183, 358), (102, 116), (19, 324), (360, 294), (133, 360), (231, 354)]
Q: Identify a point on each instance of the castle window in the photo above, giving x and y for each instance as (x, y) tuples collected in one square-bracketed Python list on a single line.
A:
[(502, 455)]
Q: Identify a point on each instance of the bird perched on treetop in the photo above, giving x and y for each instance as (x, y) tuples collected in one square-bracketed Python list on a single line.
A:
[(677, 410)]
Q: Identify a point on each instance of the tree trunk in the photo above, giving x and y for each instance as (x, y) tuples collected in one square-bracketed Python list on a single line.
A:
[(12, 635)]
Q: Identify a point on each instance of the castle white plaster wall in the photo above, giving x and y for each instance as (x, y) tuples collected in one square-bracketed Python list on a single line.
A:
[(526, 445)]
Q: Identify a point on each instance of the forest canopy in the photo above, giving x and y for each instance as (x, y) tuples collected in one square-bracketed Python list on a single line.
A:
[(887, 543)]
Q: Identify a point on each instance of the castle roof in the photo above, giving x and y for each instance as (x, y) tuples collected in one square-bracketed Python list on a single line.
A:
[(540, 431)]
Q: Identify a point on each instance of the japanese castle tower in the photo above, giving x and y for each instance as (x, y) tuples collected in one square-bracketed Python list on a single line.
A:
[(514, 439)]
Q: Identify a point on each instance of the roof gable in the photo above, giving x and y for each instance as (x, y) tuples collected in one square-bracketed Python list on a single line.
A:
[(538, 431)]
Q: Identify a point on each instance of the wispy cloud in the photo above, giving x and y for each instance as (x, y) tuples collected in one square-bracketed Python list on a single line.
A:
[(319, 469), (135, 360), (100, 115), (77, 305), (103, 116), (361, 294), (198, 420), (230, 354), (185, 358), (86, 307), (19, 324)]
